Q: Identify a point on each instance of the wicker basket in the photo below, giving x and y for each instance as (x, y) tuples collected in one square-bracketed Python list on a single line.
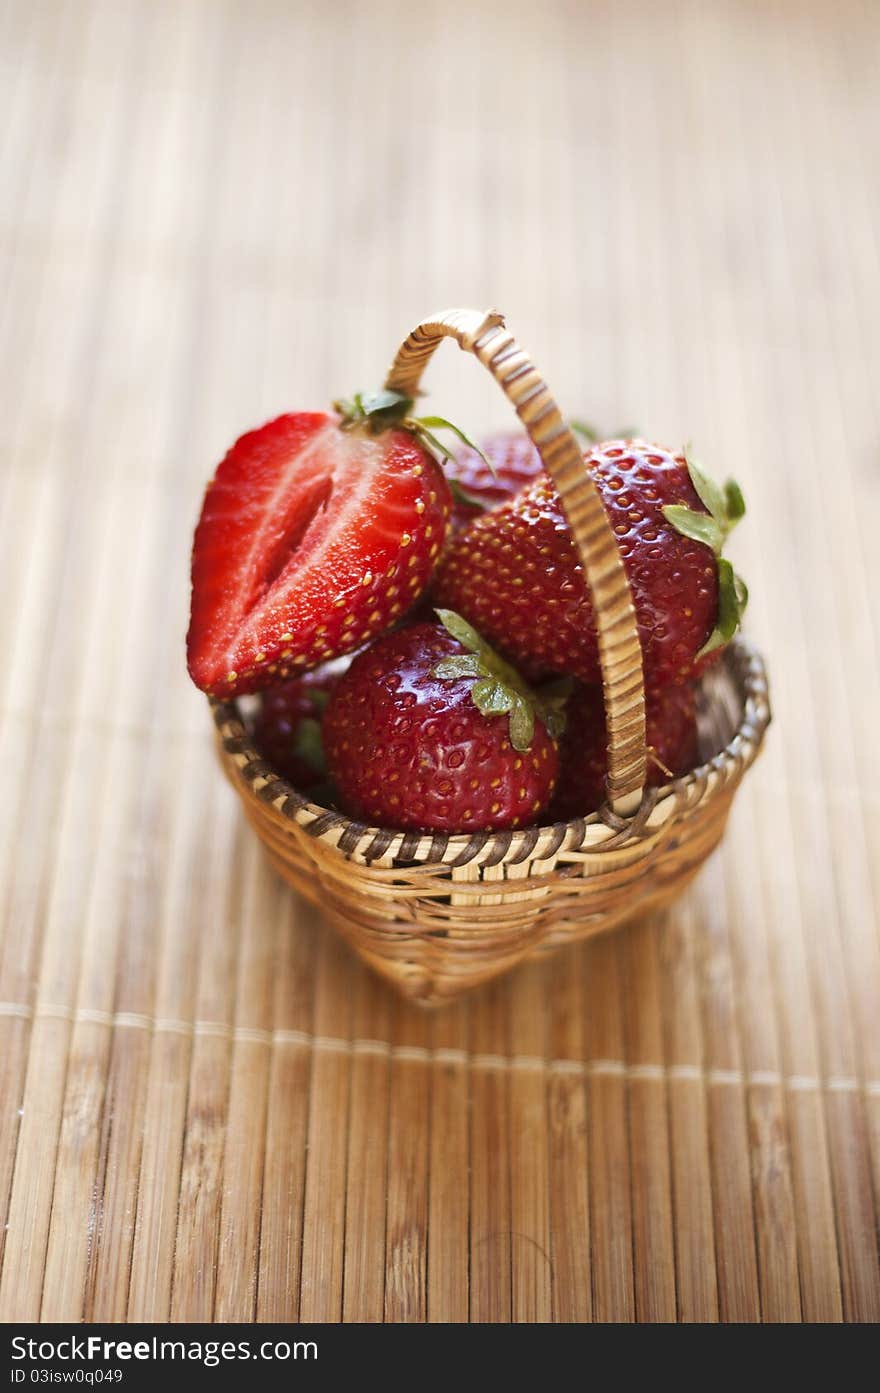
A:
[(439, 913)]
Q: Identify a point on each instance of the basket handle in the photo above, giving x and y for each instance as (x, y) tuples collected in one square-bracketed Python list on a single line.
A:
[(620, 654)]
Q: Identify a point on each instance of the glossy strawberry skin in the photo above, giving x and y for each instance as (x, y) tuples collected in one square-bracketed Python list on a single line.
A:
[(311, 541), (515, 574), (671, 735), (279, 726), (515, 461), (406, 749)]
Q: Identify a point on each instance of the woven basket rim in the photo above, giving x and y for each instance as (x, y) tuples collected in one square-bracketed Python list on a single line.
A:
[(601, 830)]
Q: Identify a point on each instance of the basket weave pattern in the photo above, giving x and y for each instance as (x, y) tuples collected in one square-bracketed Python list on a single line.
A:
[(439, 913)]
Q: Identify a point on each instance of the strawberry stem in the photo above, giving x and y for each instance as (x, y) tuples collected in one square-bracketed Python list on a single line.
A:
[(386, 410), (377, 411)]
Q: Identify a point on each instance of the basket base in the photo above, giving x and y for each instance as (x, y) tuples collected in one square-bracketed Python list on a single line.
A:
[(438, 916), (416, 963)]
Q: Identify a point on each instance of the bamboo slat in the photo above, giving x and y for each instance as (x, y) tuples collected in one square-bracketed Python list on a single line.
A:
[(449, 1169), (208, 1109), (653, 1218), (490, 1216), (611, 1220)]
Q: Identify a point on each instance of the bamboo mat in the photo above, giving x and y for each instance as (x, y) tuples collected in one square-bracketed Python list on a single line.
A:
[(212, 212)]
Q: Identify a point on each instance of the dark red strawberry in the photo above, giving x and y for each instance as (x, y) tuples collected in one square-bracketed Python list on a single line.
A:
[(479, 479), (429, 729), (498, 469), (287, 729), (671, 722), (515, 574), (317, 533)]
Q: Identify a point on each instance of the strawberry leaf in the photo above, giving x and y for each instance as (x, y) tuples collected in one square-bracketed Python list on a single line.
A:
[(553, 718), (441, 450), (426, 424), (440, 423), (729, 609), (736, 504), (742, 592), (726, 506), (522, 725), (383, 410), (462, 630), (697, 526), (373, 402), (465, 665), (499, 689), (553, 699), (377, 410), (492, 697), (709, 493)]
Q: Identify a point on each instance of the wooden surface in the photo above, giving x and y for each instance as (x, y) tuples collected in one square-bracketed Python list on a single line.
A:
[(207, 1109)]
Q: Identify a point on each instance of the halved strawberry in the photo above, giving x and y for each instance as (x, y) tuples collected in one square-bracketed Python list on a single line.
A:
[(317, 532)]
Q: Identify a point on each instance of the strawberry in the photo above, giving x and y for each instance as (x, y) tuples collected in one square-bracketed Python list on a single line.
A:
[(317, 532), (515, 572), (479, 479), (671, 722), (429, 729), (287, 730)]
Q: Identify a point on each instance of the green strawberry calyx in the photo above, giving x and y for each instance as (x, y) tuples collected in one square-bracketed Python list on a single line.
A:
[(726, 506), (498, 689), (376, 412)]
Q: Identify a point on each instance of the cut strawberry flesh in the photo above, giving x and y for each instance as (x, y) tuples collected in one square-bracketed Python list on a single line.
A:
[(302, 535), (302, 510)]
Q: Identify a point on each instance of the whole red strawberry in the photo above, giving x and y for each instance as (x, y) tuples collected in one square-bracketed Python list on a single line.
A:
[(479, 479), (515, 573), (429, 729), (287, 729), (317, 532), (671, 721)]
